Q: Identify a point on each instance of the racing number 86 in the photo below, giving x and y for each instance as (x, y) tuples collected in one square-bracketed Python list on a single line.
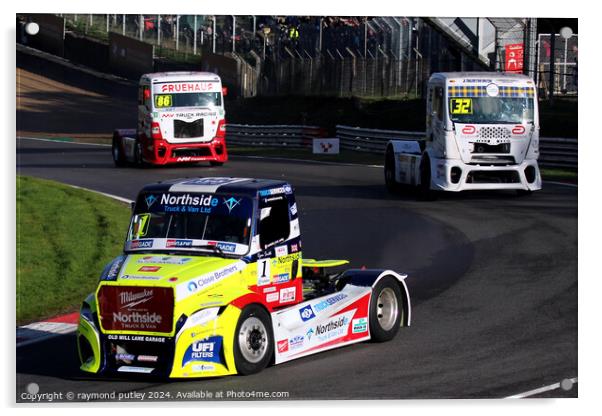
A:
[(460, 105), (162, 101)]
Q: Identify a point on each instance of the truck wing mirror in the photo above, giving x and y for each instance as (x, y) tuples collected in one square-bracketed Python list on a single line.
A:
[(224, 91)]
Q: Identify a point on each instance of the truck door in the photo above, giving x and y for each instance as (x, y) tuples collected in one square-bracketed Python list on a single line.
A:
[(144, 110), (437, 116), (279, 260)]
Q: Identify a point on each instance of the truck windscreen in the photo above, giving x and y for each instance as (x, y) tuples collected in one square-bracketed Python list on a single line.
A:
[(190, 220), (188, 99), (491, 110)]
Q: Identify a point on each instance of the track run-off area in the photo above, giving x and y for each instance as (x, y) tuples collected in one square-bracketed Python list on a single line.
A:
[(493, 276)]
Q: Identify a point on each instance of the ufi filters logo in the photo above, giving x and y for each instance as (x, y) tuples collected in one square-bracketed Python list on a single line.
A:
[(208, 349)]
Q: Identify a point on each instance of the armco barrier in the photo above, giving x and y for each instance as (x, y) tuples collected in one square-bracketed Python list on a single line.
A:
[(554, 152), (272, 135)]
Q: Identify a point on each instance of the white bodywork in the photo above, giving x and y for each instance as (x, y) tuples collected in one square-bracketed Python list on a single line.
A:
[(473, 155)]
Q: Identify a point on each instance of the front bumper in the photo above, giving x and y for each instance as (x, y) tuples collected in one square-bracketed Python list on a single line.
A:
[(174, 357), (161, 152), (456, 176)]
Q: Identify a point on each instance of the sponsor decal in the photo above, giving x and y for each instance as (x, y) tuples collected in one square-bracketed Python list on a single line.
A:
[(191, 203), (141, 244), (320, 306), (359, 325), (136, 309), (227, 247), (288, 189), (306, 313), (296, 342), (164, 260), (150, 200), (294, 209), (294, 248), (281, 278), (210, 278), (263, 272), (309, 333), (281, 251), (334, 328), (282, 346), (287, 294), (272, 297), (231, 203), (199, 368), (139, 277), (287, 259), (207, 349), (125, 357), (269, 289), (148, 358), (137, 338), (114, 269), (129, 369), (273, 191), (151, 269), (210, 181), (178, 243), (200, 86)]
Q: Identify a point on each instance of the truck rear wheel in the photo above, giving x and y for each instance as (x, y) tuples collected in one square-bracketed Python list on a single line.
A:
[(253, 340), (386, 309)]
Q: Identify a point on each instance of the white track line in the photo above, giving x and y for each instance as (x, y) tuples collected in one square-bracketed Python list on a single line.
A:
[(317, 162), (539, 390), (42, 331), (118, 198)]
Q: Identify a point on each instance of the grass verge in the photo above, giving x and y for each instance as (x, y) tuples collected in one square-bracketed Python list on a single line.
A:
[(65, 236)]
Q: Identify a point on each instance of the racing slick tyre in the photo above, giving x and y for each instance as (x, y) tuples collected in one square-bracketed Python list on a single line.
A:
[(138, 160), (390, 183), (386, 309), (118, 157), (253, 340), (214, 163), (425, 193)]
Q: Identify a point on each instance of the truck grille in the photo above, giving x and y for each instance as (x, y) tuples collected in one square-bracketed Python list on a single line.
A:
[(135, 308), (185, 130), (495, 176), (191, 152), (494, 133)]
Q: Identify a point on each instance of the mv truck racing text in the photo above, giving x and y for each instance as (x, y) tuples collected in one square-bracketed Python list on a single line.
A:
[(181, 118), (482, 132)]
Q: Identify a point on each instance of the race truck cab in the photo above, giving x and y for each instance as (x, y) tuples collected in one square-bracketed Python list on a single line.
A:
[(181, 118), (482, 132), (212, 282)]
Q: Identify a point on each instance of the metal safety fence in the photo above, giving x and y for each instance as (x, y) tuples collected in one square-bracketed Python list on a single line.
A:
[(554, 152)]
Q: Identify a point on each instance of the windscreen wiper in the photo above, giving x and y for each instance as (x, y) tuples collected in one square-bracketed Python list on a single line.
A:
[(214, 247)]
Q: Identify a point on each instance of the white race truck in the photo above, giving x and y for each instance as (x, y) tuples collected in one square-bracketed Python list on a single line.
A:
[(181, 118), (482, 132)]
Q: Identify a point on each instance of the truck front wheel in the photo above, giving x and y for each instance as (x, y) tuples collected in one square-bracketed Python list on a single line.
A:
[(253, 340), (386, 309), (424, 189), (118, 157)]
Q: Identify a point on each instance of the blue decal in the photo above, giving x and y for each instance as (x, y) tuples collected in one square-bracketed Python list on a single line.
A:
[(306, 313), (309, 333), (231, 203), (227, 247), (150, 200), (192, 286), (207, 349)]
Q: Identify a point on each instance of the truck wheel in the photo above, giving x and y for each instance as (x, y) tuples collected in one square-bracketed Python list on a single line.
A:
[(253, 340), (118, 157), (390, 183), (424, 190), (138, 155), (386, 309), (214, 163)]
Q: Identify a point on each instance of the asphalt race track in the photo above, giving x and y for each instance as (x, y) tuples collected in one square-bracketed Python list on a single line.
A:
[(493, 279)]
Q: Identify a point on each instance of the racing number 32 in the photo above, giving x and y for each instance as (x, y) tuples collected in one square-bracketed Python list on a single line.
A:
[(460, 105)]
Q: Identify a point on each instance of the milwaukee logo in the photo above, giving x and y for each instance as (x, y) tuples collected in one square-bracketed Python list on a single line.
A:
[(131, 299)]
